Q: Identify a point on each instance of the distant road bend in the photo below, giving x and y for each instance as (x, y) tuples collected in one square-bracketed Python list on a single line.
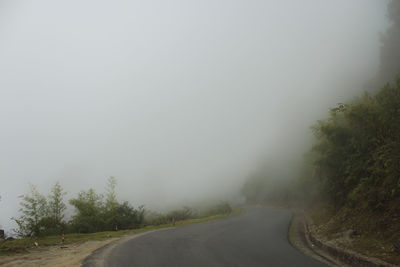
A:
[(256, 238)]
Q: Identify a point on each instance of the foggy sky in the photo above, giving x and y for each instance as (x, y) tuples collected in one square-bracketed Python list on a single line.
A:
[(179, 100)]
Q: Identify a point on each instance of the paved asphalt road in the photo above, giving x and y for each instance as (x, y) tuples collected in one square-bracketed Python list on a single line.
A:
[(256, 238)]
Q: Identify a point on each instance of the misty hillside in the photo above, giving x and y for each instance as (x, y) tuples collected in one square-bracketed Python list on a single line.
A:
[(126, 116), (198, 107), (181, 101), (350, 177)]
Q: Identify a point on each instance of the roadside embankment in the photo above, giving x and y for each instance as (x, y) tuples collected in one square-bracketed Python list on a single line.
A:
[(304, 237)]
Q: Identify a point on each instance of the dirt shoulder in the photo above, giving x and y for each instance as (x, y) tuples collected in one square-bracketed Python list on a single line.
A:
[(68, 255)]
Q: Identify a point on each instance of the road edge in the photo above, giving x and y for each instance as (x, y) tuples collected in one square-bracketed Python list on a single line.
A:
[(99, 256), (299, 239)]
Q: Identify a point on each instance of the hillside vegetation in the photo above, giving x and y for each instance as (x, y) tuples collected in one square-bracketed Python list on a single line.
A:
[(358, 155)]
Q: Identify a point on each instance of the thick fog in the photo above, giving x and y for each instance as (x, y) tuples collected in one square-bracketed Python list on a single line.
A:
[(179, 100)]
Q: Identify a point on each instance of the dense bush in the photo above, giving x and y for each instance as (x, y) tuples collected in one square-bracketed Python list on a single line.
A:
[(95, 213), (89, 216)]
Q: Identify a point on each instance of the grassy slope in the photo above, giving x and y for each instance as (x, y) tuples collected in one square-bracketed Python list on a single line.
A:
[(21, 245)]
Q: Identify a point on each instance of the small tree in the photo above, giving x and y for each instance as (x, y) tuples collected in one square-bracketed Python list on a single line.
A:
[(34, 210), (57, 206), (111, 204), (111, 196)]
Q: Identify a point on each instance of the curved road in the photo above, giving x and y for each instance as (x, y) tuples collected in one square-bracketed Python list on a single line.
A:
[(256, 238)]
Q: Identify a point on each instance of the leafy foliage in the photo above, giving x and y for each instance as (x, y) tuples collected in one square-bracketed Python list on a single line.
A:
[(56, 209), (93, 214), (42, 216), (358, 150), (128, 217), (34, 212), (89, 212)]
